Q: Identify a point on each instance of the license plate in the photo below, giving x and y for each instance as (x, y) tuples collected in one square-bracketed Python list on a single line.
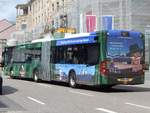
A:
[(125, 80)]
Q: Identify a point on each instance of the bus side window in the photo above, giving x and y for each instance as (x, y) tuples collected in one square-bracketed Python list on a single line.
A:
[(53, 55), (58, 55), (75, 59), (29, 58), (82, 54), (92, 54)]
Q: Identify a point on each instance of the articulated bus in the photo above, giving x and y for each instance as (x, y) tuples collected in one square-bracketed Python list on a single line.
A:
[(98, 58)]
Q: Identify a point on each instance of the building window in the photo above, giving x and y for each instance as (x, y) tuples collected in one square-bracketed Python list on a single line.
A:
[(30, 8), (33, 9), (57, 6), (36, 20), (39, 19), (63, 21), (23, 27), (63, 3), (52, 7), (42, 4)]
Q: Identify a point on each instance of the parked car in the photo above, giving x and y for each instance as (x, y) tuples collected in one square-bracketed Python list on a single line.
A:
[(1, 83)]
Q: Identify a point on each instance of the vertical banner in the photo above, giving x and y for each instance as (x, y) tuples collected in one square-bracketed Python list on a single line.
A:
[(81, 23), (90, 23), (107, 22)]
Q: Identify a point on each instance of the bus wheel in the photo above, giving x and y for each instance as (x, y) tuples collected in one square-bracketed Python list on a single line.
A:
[(12, 77), (35, 76), (11, 74), (1, 91), (72, 80)]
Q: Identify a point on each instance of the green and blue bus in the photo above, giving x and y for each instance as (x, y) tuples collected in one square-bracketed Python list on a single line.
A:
[(98, 58)]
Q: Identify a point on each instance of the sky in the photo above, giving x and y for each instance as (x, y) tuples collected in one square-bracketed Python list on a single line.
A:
[(8, 10)]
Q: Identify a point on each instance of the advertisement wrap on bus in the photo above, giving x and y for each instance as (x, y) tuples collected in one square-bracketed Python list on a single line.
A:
[(126, 56), (108, 57)]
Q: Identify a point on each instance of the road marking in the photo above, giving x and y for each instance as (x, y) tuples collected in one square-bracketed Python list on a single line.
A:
[(85, 94), (42, 103), (105, 110), (45, 85), (141, 106)]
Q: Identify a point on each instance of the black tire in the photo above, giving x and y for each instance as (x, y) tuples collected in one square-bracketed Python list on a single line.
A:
[(35, 76), (11, 76), (72, 80), (1, 91)]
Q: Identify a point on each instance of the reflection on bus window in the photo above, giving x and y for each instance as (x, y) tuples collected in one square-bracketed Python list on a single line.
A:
[(80, 54)]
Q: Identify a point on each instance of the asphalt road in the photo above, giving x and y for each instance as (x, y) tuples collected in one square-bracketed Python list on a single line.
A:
[(22, 96)]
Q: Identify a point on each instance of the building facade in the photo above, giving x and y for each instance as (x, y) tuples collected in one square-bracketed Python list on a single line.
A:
[(39, 16), (32, 18), (33, 14), (118, 14), (23, 19), (6, 30)]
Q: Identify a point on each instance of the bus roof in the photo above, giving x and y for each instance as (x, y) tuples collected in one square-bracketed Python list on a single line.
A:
[(41, 40), (77, 35), (67, 37), (124, 33)]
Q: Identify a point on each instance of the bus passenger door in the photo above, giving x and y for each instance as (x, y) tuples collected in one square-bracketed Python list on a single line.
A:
[(45, 60), (87, 56), (92, 54)]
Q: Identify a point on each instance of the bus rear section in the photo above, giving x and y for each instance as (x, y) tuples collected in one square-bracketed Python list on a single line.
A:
[(125, 58)]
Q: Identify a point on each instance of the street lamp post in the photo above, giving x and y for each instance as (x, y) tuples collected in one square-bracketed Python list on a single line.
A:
[(148, 36), (78, 13)]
